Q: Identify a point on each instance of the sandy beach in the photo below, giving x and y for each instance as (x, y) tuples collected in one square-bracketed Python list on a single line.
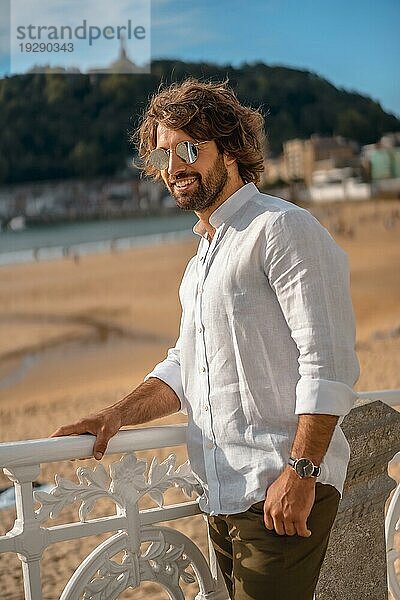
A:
[(76, 336)]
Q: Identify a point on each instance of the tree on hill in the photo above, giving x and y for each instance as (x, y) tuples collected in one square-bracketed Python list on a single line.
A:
[(58, 126)]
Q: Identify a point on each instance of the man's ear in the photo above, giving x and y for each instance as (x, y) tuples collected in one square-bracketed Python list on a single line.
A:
[(229, 159)]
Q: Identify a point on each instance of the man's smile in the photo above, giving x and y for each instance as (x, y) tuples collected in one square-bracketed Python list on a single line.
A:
[(184, 183)]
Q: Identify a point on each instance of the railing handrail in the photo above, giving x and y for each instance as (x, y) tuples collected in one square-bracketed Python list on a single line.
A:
[(47, 450), (390, 397)]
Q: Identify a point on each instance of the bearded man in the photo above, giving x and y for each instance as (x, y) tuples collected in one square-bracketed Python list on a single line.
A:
[(264, 364)]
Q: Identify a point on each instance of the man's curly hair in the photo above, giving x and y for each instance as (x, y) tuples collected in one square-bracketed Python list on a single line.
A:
[(206, 111)]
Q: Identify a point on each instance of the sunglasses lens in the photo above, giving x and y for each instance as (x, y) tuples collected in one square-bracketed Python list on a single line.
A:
[(187, 151), (159, 159)]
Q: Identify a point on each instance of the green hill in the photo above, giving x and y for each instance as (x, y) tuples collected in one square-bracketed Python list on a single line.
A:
[(57, 126)]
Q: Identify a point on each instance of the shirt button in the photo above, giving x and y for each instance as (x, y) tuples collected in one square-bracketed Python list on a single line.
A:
[(203, 369), (205, 407), (210, 445), (200, 329)]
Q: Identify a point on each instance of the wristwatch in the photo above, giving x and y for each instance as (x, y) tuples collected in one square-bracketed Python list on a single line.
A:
[(304, 467)]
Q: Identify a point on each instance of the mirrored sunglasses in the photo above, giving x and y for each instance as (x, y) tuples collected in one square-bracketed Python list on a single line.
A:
[(187, 151)]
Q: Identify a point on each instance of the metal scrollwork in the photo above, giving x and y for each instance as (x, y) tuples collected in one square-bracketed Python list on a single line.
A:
[(168, 553), (93, 484), (165, 562), (128, 485)]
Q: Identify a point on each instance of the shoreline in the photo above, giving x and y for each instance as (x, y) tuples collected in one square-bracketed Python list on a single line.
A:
[(76, 251), (324, 211)]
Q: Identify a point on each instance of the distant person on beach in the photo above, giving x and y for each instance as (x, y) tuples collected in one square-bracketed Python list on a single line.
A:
[(265, 362)]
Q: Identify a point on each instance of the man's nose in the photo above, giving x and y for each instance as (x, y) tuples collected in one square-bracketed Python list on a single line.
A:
[(175, 164)]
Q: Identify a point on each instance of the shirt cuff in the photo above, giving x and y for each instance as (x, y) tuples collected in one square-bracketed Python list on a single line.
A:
[(323, 397), (170, 373)]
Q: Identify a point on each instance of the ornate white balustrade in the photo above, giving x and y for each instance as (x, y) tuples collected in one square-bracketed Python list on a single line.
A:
[(150, 553), (168, 552)]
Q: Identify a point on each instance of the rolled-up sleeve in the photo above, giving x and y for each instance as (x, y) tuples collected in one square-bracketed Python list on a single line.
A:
[(169, 371), (310, 276)]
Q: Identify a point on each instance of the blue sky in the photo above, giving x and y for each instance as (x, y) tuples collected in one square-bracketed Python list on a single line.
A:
[(353, 43)]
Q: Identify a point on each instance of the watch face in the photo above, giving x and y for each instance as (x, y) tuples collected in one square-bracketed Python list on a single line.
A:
[(304, 467)]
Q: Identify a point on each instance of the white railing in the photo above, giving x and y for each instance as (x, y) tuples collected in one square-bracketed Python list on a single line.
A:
[(169, 553)]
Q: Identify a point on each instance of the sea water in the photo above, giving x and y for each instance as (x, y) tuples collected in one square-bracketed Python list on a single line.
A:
[(41, 242)]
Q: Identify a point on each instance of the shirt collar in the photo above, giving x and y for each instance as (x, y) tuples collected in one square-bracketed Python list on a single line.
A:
[(228, 208)]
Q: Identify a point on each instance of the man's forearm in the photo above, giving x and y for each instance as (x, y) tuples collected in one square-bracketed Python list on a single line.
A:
[(289, 499), (313, 436), (153, 399)]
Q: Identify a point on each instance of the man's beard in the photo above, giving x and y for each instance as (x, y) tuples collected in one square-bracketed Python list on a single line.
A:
[(207, 189)]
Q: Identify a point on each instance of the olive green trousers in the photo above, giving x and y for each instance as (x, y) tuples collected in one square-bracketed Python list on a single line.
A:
[(259, 564)]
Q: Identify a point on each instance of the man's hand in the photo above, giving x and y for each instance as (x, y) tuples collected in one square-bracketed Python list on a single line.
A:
[(288, 504), (150, 400), (103, 425)]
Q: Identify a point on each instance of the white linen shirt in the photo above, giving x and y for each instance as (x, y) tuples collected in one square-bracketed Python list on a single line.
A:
[(267, 333)]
